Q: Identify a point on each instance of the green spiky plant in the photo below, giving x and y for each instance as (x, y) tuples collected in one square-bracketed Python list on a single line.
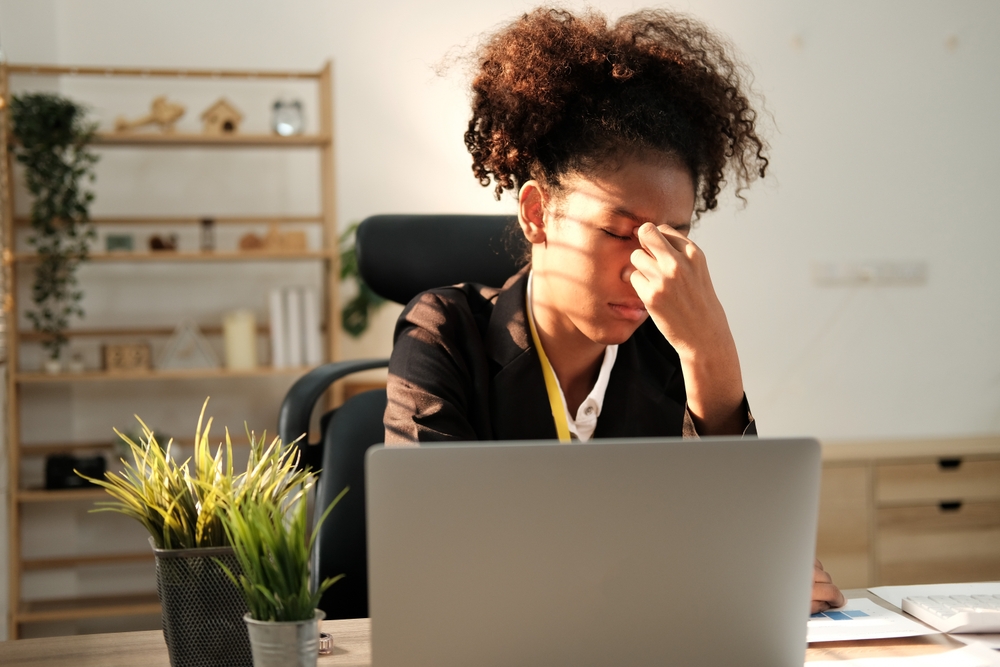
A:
[(272, 545), (52, 136), (182, 505)]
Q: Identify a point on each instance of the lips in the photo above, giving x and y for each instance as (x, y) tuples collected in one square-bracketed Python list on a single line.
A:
[(634, 311)]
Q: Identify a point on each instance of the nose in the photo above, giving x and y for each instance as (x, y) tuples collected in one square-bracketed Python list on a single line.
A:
[(627, 272)]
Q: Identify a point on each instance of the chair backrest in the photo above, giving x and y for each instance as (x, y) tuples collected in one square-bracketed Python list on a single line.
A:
[(341, 547), (399, 256)]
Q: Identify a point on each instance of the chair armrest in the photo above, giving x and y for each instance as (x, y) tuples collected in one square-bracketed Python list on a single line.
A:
[(296, 409)]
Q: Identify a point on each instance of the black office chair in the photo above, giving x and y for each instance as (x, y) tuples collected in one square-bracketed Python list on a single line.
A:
[(399, 256)]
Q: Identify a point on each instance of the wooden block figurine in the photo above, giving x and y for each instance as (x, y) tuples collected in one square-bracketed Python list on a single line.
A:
[(291, 241), (221, 118), (127, 358), (161, 113), (275, 241)]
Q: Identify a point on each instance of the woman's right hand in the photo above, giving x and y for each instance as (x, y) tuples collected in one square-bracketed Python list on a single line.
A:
[(672, 280)]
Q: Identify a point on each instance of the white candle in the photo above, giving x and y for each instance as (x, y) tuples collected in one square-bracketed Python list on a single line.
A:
[(239, 329)]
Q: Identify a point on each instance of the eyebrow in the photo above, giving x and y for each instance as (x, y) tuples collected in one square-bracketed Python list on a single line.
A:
[(625, 213)]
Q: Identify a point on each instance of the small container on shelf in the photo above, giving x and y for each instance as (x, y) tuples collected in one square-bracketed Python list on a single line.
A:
[(240, 333), (127, 357)]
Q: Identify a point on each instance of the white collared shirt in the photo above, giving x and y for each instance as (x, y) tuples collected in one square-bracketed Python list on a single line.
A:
[(583, 425)]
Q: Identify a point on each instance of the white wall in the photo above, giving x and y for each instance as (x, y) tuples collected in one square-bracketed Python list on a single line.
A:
[(883, 148), (883, 151)]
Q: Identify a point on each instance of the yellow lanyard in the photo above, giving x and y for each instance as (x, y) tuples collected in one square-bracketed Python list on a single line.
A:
[(551, 385)]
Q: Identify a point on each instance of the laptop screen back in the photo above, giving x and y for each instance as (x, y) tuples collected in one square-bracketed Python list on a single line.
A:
[(632, 552)]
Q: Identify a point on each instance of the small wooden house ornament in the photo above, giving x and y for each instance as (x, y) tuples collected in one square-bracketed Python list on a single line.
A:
[(221, 118)]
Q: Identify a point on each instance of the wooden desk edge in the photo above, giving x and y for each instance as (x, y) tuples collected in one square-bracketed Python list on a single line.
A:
[(352, 646)]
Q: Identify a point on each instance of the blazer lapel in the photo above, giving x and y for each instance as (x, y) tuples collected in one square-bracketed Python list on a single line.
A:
[(519, 404), (645, 392)]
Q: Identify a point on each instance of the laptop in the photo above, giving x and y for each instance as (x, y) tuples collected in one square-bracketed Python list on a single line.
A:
[(610, 552)]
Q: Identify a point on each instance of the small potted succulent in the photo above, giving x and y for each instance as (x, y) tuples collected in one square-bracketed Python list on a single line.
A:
[(183, 506), (272, 545)]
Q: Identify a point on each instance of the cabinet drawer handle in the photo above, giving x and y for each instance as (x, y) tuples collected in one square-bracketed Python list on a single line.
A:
[(950, 505), (949, 464)]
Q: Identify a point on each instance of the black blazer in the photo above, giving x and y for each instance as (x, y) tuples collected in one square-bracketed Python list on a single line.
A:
[(464, 367)]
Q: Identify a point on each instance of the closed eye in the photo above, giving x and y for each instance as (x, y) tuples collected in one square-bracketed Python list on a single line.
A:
[(616, 236)]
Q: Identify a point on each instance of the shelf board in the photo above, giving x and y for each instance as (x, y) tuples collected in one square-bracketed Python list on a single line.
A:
[(173, 256), (85, 561), (238, 440), (185, 374), (143, 72), (61, 495), (144, 332), (62, 447), (89, 607), (198, 140), (22, 221)]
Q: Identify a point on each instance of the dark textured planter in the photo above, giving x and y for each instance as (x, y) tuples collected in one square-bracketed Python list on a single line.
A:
[(202, 610)]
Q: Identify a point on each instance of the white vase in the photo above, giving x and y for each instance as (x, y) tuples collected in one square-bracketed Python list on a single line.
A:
[(285, 643), (52, 366)]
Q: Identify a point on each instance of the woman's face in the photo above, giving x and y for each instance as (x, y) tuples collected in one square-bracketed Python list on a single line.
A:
[(581, 262)]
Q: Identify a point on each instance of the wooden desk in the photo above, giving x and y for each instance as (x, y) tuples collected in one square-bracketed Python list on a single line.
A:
[(353, 647)]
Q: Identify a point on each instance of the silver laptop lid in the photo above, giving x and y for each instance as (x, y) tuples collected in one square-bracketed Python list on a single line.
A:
[(615, 552)]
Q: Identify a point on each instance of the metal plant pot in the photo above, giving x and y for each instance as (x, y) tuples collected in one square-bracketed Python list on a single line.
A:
[(285, 643), (202, 609)]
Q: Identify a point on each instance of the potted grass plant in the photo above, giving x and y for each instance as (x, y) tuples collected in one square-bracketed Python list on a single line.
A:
[(183, 506), (272, 545)]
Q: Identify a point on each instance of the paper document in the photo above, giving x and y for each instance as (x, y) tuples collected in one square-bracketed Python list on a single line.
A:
[(861, 618), (966, 656)]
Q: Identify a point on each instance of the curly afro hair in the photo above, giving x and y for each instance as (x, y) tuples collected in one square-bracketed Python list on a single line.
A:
[(555, 93)]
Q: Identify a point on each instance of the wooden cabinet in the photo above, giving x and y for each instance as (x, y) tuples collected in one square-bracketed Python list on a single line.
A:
[(910, 512), (844, 538), (24, 499)]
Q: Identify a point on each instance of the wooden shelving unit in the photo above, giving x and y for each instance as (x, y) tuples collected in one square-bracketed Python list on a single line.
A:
[(25, 611)]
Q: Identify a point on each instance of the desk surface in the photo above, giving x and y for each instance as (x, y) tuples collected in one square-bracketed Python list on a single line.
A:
[(353, 643)]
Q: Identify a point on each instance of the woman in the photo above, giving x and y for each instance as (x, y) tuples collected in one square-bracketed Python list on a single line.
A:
[(614, 138)]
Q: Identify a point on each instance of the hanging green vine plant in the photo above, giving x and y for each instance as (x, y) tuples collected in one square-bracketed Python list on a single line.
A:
[(357, 312), (52, 135)]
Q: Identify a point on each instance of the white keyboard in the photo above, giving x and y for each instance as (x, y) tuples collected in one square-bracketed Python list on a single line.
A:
[(956, 613)]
